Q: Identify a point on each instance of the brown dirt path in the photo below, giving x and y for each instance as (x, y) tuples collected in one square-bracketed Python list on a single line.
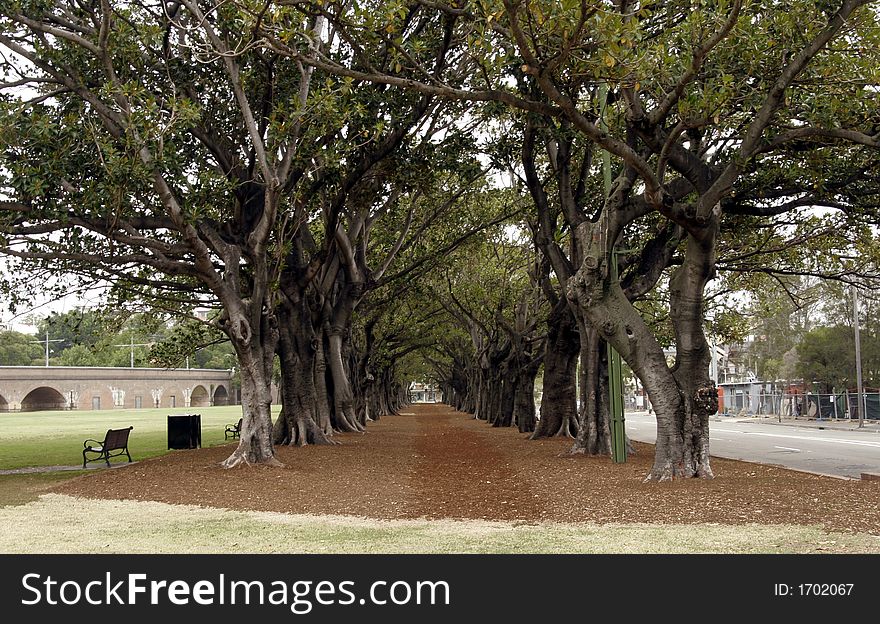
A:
[(436, 463), (459, 473)]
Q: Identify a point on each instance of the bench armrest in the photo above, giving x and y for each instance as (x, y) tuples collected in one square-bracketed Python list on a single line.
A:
[(97, 442)]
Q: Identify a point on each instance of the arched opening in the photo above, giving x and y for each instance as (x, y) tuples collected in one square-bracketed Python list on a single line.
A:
[(43, 398), (221, 397), (199, 397), (4, 404)]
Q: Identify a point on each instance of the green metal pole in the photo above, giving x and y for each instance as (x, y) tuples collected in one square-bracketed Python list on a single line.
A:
[(615, 388), (615, 368)]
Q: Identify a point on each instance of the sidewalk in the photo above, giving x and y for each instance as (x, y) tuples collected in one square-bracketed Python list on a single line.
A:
[(41, 469), (872, 426)]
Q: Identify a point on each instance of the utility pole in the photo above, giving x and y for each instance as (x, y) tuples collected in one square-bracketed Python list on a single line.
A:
[(47, 341), (132, 345), (860, 398)]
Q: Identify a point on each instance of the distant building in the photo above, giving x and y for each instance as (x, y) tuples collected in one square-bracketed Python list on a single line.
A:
[(747, 397), (424, 393)]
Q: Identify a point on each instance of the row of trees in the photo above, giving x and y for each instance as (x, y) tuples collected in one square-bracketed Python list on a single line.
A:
[(310, 169)]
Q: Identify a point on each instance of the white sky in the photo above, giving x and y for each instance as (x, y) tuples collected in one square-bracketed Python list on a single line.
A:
[(44, 306)]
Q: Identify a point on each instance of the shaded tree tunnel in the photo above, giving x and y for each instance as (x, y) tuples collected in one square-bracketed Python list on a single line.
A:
[(404, 256)]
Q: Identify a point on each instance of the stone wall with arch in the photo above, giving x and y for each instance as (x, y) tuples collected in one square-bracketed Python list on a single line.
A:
[(33, 388)]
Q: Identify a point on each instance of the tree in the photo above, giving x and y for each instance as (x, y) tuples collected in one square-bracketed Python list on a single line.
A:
[(101, 337), (193, 343), (18, 349), (827, 357), (78, 327), (486, 288), (126, 162)]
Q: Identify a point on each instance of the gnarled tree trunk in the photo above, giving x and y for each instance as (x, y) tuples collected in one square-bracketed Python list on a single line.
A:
[(607, 308), (508, 382), (691, 370), (255, 351), (343, 397), (298, 423), (559, 401), (322, 396), (524, 403), (594, 429)]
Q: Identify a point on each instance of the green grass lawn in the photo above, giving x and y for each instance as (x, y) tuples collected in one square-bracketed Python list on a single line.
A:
[(56, 438)]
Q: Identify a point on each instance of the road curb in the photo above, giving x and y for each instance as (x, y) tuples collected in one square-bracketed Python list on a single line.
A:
[(783, 467), (809, 424)]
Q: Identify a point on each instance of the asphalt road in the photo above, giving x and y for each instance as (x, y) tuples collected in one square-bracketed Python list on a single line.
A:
[(823, 451)]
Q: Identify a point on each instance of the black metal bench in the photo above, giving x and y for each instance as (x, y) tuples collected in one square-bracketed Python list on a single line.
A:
[(233, 431), (115, 444)]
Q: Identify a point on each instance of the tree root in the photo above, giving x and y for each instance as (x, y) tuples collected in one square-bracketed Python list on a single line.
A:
[(239, 459), (670, 472), (564, 431)]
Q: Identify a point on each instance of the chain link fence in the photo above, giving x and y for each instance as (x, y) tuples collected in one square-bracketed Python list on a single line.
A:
[(843, 405)]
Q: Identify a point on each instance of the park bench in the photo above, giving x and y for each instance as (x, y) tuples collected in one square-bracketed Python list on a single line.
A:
[(115, 443), (233, 431)]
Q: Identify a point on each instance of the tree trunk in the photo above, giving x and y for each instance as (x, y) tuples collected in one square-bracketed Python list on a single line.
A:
[(507, 384), (606, 307), (493, 395), (473, 390), (255, 351), (389, 394), (692, 361), (524, 403), (297, 425), (559, 401), (343, 397), (481, 406), (594, 430), (322, 396)]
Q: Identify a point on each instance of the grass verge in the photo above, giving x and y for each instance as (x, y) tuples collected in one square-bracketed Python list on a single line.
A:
[(62, 524), (25, 488)]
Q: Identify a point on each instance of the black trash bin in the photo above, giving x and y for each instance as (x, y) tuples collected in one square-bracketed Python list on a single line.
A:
[(185, 431)]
